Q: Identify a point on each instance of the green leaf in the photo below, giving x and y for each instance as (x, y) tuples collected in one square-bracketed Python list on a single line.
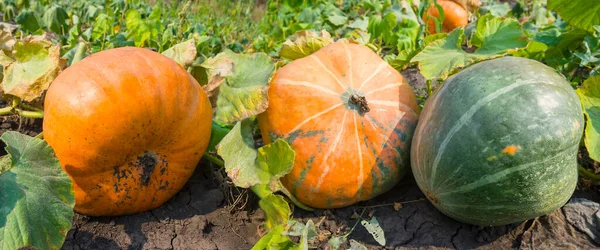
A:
[(304, 43), (589, 94), (101, 26), (29, 20), (274, 240), (278, 157), (497, 10), (142, 31), (337, 19), (361, 23), (583, 14), (217, 134), (183, 53), (374, 229), (76, 54), (493, 37), (247, 166), (35, 64), (242, 83), (277, 211), (55, 19), (36, 198)]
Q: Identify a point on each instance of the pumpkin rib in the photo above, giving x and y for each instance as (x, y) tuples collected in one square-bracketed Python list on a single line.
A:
[(307, 84), (392, 104), (329, 152), (317, 115), (320, 63), (360, 159), (388, 86), (466, 117), (379, 68), (349, 55)]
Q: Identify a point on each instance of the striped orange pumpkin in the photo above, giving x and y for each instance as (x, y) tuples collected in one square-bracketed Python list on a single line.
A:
[(349, 116)]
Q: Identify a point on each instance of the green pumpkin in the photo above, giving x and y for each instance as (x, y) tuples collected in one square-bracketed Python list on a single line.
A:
[(497, 143)]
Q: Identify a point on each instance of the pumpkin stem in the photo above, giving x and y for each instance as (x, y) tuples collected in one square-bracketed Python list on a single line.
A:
[(361, 102)]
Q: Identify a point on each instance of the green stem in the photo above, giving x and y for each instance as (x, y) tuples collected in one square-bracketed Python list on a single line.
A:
[(294, 200), (429, 90), (15, 102), (32, 108), (589, 175), (213, 159), (30, 114), (261, 190), (6, 111), (40, 135)]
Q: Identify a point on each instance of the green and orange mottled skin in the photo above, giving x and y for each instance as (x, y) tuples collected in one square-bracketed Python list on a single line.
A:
[(349, 117), (129, 126), (498, 142)]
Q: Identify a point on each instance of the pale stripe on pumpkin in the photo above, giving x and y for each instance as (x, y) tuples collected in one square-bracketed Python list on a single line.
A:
[(314, 116), (306, 84), (327, 70)]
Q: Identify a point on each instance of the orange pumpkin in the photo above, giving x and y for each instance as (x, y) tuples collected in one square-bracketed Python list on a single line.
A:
[(129, 126), (349, 116), (454, 16)]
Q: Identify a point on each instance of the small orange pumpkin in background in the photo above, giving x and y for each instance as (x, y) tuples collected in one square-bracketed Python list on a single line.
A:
[(129, 126), (349, 116), (455, 16)]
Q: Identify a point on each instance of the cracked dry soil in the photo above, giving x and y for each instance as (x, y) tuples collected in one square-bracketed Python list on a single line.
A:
[(198, 218)]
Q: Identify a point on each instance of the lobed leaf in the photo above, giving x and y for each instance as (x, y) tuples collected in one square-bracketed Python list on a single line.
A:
[(583, 14), (36, 198), (589, 94), (304, 43)]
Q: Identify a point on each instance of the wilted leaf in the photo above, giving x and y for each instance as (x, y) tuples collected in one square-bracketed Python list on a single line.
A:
[(335, 242), (277, 211), (241, 82), (55, 19), (397, 206), (36, 198), (36, 64), (7, 41), (183, 53), (304, 43), (375, 230), (308, 233), (470, 5), (354, 245), (583, 14), (589, 93)]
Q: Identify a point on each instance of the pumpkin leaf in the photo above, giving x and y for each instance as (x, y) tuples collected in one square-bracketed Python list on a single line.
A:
[(335, 242), (36, 198), (354, 245), (374, 229), (583, 14), (29, 20), (247, 166), (277, 210), (240, 83), (589, 94), (76, 54), (493, 37), (7, 41), (183, 53), (55, 19), (308, 233), (217, 134), (35, 64), (275, 240), (143, 30), (304, 43)]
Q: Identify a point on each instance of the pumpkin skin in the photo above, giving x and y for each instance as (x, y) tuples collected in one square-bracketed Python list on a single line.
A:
[(129, 126), (343, 154), (454, 16), (498, 142)]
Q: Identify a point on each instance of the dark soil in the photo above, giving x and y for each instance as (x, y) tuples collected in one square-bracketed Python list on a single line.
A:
[(200, 217)]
